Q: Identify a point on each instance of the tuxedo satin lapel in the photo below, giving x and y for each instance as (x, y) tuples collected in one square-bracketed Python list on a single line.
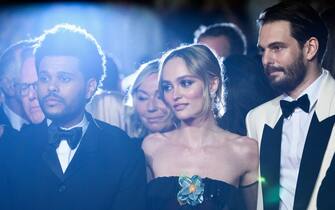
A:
[(314, 149), (51, 159), (46, 153), (270, 164), (49, 155), (86, 151)]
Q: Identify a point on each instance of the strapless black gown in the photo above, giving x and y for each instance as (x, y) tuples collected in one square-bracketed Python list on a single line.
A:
[(162, 195)]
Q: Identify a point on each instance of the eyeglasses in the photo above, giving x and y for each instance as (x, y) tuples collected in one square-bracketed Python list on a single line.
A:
[(25, 87)]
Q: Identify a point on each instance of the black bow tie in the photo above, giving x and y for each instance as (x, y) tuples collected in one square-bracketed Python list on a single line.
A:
[(57, 134), (288, 107)]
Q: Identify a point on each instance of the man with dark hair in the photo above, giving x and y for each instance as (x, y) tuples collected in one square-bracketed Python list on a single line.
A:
[(295, 130), (224, 38), (70, 160)]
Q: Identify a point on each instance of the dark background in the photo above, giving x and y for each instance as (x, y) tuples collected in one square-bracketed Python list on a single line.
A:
[(134, 31)]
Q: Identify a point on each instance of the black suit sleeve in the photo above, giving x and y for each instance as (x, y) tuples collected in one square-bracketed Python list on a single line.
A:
[(132, 193), (8, 149), (4, 188), (326, 193)]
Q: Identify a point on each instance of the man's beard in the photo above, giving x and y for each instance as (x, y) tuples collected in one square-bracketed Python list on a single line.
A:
[(294, 74)]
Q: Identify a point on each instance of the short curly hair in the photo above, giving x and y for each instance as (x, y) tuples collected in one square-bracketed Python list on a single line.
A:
[(71, 40)]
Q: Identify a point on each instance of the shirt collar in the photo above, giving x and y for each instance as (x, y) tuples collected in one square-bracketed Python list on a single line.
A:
[(312, 91), (15, 120), (82, 124)]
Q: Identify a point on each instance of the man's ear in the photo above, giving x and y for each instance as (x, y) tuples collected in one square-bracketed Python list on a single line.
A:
[(311, 48), (91, 88), (8, 86), (214, 85)]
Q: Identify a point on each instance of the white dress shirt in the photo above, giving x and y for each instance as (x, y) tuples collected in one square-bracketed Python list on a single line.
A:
[(295, 129), (64, 152), (15, 120)]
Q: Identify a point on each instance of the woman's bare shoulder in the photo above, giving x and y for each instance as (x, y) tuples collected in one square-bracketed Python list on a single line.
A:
[(248, 151), (246, 144), (241, 144), (154, 141), (151, 141)]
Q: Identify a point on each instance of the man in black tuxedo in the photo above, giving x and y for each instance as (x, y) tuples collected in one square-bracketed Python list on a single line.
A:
[(296, 131), (70, 160)]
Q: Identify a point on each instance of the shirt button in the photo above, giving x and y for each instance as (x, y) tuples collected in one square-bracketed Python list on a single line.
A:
[(62, 188)]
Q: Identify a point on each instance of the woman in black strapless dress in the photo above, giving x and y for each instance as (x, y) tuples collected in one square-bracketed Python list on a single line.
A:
[(198, 165)]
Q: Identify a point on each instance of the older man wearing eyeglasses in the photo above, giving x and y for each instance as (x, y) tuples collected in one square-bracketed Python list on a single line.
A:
[(17, 81), (27, 88)]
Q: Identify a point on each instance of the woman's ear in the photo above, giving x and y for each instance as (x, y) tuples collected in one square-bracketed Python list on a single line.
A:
[(214, 85), (311, 48), (92, 85)]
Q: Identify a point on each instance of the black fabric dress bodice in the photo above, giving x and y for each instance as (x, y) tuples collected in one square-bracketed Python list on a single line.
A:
[(162, 195)]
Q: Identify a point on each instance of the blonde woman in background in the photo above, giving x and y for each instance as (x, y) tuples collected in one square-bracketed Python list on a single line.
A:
[(147, 112)]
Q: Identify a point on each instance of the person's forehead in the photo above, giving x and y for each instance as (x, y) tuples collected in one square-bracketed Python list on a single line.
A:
[(175, 67), (59, 63), (149, 84), (274, 32)]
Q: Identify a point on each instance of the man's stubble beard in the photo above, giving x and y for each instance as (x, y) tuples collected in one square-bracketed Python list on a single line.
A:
[(294, 74)]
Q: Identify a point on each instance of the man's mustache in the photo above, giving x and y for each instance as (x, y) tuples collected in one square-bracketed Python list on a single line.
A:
[(271, 69), (54, 96)]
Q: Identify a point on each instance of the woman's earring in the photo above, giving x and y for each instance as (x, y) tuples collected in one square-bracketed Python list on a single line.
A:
[(213, 100), (213, 95), (217, 106)]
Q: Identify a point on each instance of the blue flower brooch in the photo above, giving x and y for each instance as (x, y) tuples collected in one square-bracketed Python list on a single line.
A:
[(192, 190)]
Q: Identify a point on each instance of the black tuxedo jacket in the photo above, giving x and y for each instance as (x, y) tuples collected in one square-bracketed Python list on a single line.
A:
[(3, 117), (106, 172), (8, 136), (9, 131), (7, 139)]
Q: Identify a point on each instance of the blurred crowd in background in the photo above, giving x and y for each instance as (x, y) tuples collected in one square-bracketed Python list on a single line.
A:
[(134, 32)]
